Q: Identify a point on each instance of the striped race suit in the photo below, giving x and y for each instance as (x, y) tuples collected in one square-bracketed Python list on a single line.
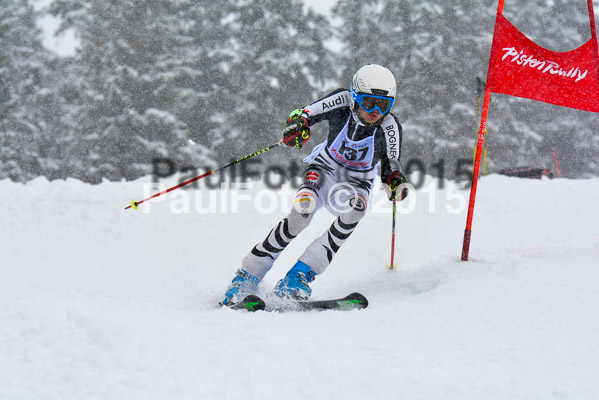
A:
[(340, 176)]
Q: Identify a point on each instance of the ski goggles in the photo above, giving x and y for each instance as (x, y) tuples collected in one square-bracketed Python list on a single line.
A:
[(370, 102)]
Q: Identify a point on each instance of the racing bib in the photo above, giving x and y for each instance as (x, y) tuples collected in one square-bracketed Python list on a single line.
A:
[(353, 155)]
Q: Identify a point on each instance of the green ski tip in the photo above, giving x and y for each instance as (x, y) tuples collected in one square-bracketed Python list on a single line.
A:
[(253, 303)]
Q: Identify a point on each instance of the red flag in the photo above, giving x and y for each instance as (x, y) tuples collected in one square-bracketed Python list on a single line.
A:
[(519, 67)]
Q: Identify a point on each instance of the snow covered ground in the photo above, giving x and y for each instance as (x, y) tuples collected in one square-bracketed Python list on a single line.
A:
[(101, 303)]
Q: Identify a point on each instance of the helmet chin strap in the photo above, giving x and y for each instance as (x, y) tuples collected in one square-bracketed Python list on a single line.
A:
[(357, 119)]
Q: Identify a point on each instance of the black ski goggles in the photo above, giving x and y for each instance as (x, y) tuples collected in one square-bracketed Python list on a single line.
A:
[(369, 102)]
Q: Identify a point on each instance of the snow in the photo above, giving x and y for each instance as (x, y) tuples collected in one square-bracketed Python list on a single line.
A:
[(98, 302), (63, 44), (322, 7)]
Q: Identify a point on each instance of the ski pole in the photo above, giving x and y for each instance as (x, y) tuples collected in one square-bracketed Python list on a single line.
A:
[(393, 234), (135, 204)]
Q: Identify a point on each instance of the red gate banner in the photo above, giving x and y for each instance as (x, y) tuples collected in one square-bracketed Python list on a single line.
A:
[(520, 67)]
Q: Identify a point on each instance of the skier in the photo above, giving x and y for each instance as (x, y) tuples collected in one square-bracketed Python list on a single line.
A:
[(340, 177)]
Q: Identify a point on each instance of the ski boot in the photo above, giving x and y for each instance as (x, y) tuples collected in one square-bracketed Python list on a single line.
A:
[(295, 284), (242, 285)]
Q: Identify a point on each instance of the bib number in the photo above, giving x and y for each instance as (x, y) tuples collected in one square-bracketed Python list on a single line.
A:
[(352, 154)]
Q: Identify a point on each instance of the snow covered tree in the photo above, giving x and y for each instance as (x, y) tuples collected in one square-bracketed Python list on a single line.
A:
[(25, 147), (436, 51), (200, 89), (128, 67), (277, 63), (152, 75)]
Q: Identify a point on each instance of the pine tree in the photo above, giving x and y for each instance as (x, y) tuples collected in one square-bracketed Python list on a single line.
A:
[(128, 62), (436, 52), (278, 63), (23, 143)]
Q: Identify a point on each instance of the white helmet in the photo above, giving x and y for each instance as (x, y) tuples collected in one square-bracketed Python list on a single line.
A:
[(374, 81)]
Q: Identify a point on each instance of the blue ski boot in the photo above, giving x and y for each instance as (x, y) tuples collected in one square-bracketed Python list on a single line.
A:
[(295, 284), (242, 285)]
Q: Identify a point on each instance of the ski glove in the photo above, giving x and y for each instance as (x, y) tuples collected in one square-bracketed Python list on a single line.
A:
[(394, 180), (297, 129)]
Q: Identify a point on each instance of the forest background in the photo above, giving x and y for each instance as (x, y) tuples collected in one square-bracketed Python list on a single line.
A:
[(200, 83)]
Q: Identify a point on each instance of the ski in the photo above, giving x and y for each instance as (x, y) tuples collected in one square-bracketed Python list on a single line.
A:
[(353, 301), (250, 303)]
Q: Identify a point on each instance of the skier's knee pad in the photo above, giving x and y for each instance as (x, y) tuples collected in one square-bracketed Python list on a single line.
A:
[(304, 207), (355, 210)]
